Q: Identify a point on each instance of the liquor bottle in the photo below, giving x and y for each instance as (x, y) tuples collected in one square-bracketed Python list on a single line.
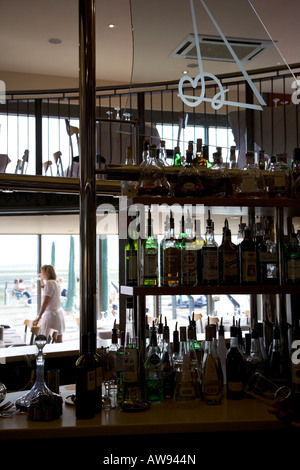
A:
[(259, 326), (168, 375), (199, 243), (170, 257), (177, 157), (211, 380), (241, 229), (252, 183), (186, 388), (222, 349), (193, 343), (130, 160), (248, 259), (175, 349), (189, 256), (154, 371), (189, 182), (228, 260), (210, 256), (163, 153), (292, 260), (160, 335), (182, 342), (145, 154), (280, 178), (254, 361), (205, 151), (131, 255), (152, 181), (98, 371), (86, 403), (199, 160), (217, 182), (277, 370), (268, 270), (195, 356), (119, 367), (131, 378), (235, 368), (149, 257)]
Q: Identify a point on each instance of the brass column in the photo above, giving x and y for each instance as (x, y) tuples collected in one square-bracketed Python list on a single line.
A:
[(87, 105)]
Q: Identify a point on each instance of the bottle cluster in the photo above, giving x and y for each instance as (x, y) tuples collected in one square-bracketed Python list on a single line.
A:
[(187, 370), (261, 177), (193, 260)]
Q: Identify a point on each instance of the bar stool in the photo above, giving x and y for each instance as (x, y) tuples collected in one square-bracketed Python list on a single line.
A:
[(71, 131), (58, 161)]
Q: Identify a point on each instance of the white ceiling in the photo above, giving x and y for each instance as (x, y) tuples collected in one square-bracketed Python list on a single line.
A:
[(158, 27)]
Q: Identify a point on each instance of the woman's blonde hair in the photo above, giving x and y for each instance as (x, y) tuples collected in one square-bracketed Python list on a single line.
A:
[(49, 271)]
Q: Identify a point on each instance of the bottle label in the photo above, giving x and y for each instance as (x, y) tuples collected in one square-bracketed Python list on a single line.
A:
[(211, 383), (171, 263), (293, 269), (229, 265), (130, 371), (91, 380), (131, 273), (150, 264), (249, 273), (235, 387), (210, 265), (189, 265), (248, 184)]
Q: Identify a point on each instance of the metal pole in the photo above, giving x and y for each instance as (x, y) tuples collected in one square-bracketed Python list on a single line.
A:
[(87, 108)]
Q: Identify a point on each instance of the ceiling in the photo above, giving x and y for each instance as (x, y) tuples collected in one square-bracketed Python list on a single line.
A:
[(141, 55)]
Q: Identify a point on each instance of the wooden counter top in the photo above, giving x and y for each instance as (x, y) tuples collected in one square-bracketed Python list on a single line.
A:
[(165, 418)]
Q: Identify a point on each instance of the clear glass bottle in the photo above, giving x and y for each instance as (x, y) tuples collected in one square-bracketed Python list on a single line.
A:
[(189, 182), (130, 160), (268, 271), (252, 183), (170, 257), (217, 180), (211, 380), (248, 259), (254, 361), (235, 368), (152, 181), (210, 256), (131, 254), (228, 260), (149, 256), (280, 178), (163, 153), (189, 256), (186, 389), (131, 372), (154, 371)]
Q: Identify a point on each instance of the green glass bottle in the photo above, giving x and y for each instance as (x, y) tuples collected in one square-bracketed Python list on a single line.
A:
[(154, 371), (131, 255), (149, 257)]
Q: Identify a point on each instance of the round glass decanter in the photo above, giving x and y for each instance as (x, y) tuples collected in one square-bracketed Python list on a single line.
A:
[(40, 401)]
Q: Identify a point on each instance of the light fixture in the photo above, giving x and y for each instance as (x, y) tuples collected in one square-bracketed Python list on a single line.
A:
[(185, 72), (55, 41), (111, 26)]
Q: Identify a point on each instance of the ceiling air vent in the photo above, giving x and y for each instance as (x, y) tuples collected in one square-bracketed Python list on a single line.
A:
[(214, 48)]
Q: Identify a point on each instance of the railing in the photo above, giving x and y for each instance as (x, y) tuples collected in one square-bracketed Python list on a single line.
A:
[(40, 133)]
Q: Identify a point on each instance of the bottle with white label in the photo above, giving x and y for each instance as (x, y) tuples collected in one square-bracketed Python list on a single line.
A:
[(210, 256), (131, 376)]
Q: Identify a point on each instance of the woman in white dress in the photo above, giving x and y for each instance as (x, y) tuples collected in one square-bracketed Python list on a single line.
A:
[(51, 311)]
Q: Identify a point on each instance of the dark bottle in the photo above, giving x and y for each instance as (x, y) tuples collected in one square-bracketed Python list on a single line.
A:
[(189, 181), (210, 256), (170, 247), (131, 252), (235, 368), (98, 371), (277, 370), (228, 260), (189, 256), (248, 259), (85, 381), (292, 260)]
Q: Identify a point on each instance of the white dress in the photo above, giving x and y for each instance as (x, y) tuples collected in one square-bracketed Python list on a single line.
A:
[(53, 317)]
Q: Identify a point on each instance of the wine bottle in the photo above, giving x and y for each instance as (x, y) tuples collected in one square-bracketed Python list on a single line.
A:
[(131, 255), (229, 260), (235, 368), (248, 259), (85, 381), (149, 257), (170, 257)]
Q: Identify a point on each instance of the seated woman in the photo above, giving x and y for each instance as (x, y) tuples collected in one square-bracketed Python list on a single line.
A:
[(51, 311)]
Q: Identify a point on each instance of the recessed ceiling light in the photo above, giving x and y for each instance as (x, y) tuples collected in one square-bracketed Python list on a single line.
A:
[(55, 41), (185, 72), (111, 26)]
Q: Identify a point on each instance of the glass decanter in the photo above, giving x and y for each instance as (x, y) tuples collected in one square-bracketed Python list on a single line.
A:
[(41, 403)]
